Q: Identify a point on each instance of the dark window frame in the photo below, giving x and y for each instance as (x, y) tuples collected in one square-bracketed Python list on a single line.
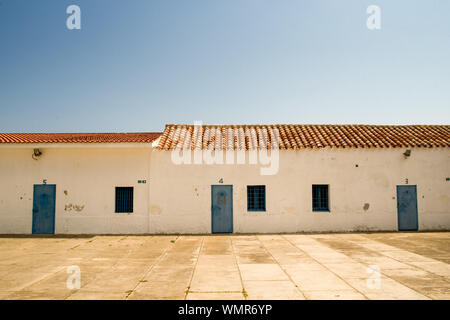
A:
[(124, 200), (256, 200), (320, 198)]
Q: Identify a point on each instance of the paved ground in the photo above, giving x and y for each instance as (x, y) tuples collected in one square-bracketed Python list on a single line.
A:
[(322, 266)]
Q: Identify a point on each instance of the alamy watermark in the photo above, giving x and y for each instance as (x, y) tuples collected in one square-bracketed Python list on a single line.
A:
[(374, 281), (74, 280), (74, 20), (238, 145), (374, 20)]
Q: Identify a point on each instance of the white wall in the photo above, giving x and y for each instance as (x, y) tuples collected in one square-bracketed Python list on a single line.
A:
[(85, 178), (180, 198), (177, 198)]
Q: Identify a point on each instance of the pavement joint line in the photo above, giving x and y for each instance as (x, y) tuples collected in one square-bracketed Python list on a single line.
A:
[(365, 263), (82, 243), (145, 273), (96, 276), (194, 268), (233, 251), (288, 275), (406, 262), (412, 243), (45, 276), (395, 249), (326, 266), (112, 267), (196, 291), (359, 250), (271, 280), (387, 276)]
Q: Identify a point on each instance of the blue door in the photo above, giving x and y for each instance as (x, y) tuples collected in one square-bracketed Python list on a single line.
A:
[(407, 208), (222, 209), (44, 208)]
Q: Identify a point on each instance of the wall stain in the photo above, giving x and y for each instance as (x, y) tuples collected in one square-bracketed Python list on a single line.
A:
[(76, 207), (155, 210), (289, 209)]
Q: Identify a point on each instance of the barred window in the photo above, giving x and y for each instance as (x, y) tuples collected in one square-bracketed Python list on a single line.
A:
[(256, 198), (320, 197), (124, 199)]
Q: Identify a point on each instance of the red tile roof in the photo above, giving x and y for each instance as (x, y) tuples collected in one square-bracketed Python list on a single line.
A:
[(295, 136), (139, 137)]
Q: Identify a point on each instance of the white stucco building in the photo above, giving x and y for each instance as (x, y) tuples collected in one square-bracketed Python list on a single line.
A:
[(227, 178)]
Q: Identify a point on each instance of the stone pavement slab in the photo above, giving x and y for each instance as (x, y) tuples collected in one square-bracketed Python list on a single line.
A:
[(253, 267)]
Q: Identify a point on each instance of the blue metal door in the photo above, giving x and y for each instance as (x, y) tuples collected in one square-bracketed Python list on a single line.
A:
[(222, 209), (407, 207), (44, 208)]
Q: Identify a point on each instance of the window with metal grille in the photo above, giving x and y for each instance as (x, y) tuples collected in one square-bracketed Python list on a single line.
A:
[(124, 199), (256, 198), (320, 197)]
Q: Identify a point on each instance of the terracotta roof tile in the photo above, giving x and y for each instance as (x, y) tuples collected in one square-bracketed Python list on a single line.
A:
[(296, 136), (138, 137)]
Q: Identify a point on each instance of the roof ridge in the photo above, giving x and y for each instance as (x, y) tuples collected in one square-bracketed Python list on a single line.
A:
[(80, 137), (311, 124), (118, 132), (301, 136)]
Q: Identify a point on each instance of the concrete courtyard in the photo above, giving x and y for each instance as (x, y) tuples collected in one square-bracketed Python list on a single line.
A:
[(316, 266)]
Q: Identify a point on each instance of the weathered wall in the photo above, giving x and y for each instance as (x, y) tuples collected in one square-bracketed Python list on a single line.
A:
[(177, 198), (180, 195), (85, 178)]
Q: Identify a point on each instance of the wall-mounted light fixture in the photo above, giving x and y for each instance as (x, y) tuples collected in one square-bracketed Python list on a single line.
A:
[(36, 153), (407, 153)]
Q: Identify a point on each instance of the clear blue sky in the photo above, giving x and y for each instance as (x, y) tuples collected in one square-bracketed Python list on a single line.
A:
[(136, 65)]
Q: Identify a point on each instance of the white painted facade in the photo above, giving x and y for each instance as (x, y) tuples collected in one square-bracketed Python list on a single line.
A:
[(181, 194), (85, 176), (177, 198)]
